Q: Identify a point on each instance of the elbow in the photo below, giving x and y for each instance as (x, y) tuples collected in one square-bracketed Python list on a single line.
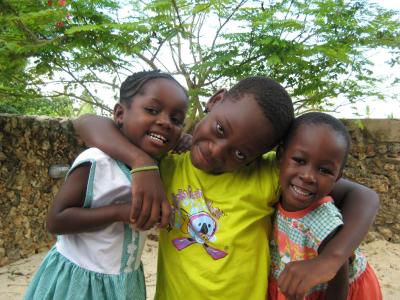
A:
[(79, 122), (52, 225), (373, 199), (82, 126)]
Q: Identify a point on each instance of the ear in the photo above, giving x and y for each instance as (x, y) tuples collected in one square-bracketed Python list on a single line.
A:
[(217, 97), (279, 152), (119, 111), (340, 175)]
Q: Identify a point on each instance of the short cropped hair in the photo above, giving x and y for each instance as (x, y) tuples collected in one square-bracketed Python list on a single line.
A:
[(134, 83), (320, 118), (271, 97)]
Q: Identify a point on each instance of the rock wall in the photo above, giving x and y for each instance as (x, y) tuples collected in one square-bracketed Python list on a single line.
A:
[(30, 145), (375, 162)]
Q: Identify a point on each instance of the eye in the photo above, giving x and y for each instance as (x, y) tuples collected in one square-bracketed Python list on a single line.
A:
[(177, 121), (151, 110), (219, 129), (298, 160), (325, 171), (239, 155)]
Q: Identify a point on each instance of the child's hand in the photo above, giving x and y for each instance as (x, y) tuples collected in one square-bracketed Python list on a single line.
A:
[(149, 203), (124, 212), (300, 276), (184, 143)]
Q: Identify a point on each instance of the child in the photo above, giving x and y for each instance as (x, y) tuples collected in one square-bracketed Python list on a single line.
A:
[(311, 161), (223, 192), (97, 254)]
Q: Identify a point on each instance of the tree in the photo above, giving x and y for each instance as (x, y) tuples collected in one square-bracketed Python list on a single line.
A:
[(317, 49)]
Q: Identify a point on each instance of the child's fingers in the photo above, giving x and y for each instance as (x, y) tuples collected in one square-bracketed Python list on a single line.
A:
[(144, 215), (166, 212), (302, 288), (135, 208), (292, 288), (288, 283), (184, 143), (154, 216)]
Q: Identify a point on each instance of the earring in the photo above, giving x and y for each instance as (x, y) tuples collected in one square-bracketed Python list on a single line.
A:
[(119, 125)]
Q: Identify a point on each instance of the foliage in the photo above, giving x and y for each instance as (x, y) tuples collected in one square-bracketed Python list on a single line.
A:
[(319, 49)]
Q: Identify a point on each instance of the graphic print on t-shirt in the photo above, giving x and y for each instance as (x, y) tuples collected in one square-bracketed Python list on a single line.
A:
[(197, 220)]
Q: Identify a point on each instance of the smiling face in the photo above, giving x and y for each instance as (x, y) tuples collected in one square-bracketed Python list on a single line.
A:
[(153, 121), (310, 165), (233, 133)]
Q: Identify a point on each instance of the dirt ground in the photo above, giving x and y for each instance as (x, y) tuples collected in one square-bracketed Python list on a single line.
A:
[(383, 256)]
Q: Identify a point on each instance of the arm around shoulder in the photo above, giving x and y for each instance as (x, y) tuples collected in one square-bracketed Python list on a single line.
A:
[(148, 196), (97, 131), (359, 205)]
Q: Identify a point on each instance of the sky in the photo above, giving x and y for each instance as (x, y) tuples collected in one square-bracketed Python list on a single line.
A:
[(374, 108)]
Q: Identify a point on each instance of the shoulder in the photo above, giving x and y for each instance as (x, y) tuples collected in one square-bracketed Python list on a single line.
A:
[(173, 161), (268, 169), (327, 210), (92, 156), (324, 219), (268, 164)]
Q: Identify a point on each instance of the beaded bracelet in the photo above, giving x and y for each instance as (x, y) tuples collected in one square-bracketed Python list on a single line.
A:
[(144, 168)]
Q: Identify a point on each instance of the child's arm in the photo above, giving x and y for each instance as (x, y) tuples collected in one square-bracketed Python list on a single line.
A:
[(149, 202), (67, 214), (358, 205), (338, 287)]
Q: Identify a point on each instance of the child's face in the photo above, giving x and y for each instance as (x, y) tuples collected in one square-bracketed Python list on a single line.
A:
[(232, 134), (310, 165), (154, 120)]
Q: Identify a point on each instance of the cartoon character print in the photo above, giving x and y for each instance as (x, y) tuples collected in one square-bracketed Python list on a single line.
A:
[(194, 219)]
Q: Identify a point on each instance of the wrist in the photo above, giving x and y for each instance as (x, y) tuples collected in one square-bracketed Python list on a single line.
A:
[(142, 160), (334, 259), (116, 215)]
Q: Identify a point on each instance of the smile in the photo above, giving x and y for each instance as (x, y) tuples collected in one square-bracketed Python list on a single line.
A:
[(300, 191), (157, 137), (203, 158)]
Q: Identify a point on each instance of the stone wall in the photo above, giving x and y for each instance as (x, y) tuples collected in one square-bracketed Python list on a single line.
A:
[(375, 162), (30, 145)]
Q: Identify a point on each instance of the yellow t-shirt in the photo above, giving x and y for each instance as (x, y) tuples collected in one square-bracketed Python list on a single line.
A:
[(218, 246)]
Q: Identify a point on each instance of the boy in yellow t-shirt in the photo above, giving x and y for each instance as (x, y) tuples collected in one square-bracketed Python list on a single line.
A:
[(223, 192)]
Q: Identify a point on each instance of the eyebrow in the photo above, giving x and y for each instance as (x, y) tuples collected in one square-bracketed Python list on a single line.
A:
[(227, 124), (156, 100), (176, 110), (328, 162)]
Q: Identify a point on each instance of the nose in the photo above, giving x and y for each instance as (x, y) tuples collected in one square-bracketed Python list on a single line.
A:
[(164, 120), (218, 150), (308, 175)]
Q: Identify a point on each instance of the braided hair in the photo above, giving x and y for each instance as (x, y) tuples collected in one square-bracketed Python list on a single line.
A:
[(134, 83)]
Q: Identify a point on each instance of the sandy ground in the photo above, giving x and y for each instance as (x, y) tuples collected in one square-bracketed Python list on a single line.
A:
[(383, 256)]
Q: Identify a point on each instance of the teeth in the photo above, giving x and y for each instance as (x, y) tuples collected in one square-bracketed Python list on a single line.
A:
[(300, 191), (157, 137)]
